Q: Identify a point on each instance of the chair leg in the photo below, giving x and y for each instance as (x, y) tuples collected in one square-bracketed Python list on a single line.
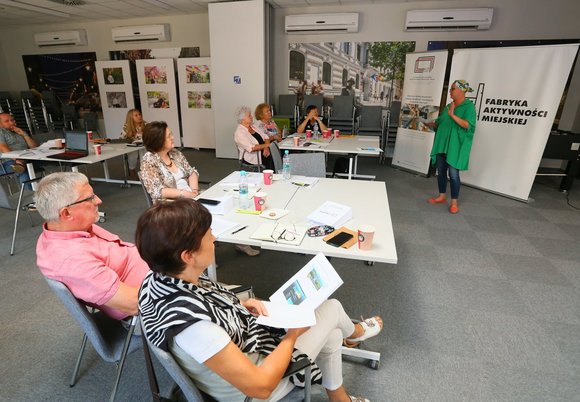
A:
[(121, 361), (307, 383), (16, 219), (73, 380)]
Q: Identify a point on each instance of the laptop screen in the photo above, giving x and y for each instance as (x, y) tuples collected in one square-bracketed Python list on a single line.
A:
[(77, 141)]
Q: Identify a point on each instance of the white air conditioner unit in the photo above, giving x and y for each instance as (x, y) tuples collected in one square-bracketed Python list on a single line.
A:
[(63, 38), (321, 23), (159, 33), (469, 19)]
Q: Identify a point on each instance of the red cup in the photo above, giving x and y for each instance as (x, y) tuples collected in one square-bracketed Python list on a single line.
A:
[(260, 201), (98, 149), (90, 135), (308, 133), (336, 133), (296, 140), (268, 175)]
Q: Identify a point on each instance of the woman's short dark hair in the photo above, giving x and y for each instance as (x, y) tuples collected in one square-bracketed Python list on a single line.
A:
[(154, 136), (167, 229)]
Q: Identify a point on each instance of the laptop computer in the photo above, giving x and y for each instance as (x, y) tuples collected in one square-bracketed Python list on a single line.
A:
[(76, 146)]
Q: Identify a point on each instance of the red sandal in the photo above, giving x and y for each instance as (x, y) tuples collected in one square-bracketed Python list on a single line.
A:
[(453, 208), (436, 200)]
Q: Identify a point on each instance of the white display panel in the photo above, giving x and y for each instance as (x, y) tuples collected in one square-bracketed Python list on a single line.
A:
[(195, 95), (116, 92), (158, 92)]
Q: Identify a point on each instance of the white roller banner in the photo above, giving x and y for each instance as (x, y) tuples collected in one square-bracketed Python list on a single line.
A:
[(516, 94), (424, 75)]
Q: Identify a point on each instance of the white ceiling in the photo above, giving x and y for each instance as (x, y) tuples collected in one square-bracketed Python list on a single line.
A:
[(15, 12)]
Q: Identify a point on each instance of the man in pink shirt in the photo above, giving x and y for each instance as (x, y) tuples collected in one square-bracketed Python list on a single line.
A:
[(96, 265)]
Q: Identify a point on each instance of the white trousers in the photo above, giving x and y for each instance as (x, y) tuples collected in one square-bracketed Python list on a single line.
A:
[(323, 341)]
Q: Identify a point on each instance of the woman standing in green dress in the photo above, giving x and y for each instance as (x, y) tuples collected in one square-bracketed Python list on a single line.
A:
[(452, 145)]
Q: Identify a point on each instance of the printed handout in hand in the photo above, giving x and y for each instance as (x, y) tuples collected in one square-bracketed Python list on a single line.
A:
[(310, 286)]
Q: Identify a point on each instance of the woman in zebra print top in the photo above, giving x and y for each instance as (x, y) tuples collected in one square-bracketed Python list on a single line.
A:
[(214, 336)]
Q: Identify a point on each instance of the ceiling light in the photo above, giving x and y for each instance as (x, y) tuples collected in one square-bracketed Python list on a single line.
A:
[(30, 7)]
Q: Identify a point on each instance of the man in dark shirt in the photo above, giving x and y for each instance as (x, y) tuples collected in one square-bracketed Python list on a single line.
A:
[(312, 121), (13, 138)]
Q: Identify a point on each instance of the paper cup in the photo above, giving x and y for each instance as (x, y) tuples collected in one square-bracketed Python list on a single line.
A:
[(260, 201), (336, 133), (296, 140), (58, 143), (365, 237), (90, 135), (268, 175), (98, 149), (308, 133)]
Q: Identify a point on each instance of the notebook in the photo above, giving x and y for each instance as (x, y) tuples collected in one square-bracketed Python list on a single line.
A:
[(76, 146)]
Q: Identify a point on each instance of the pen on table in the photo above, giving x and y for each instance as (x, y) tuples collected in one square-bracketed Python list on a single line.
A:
[(300, 184), (239, 230)]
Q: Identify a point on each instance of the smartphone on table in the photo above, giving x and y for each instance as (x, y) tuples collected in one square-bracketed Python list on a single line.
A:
[(339, 239)]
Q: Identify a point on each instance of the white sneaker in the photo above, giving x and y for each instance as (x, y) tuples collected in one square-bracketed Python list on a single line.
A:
[(247, 250)]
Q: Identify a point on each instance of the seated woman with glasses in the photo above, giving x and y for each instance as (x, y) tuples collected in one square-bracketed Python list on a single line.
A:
[(164, 170), (253, 145), (214, 337)]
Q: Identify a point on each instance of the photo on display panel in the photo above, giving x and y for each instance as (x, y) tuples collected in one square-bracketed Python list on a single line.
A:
[(113, 76)]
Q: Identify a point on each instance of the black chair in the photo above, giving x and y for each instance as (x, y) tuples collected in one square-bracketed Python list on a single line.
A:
[(394, 113), (288, 108), (371, 121), (342, 114)]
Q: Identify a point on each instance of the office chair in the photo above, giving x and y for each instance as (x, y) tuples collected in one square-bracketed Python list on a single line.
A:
[(109, 337), (371, 121), (249, 167), (276, 157), (343, 114), (311, 164)]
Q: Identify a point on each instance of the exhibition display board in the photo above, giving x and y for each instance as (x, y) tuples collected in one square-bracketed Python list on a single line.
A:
[(158, 93), (116, 93)]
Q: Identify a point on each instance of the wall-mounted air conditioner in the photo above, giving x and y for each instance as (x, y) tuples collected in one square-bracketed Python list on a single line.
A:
[(158, 33), (469, 19), (321, 23), (63, 38)]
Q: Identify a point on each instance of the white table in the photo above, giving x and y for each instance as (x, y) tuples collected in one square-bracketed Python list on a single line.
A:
[(369, 203), (352, 145), (109, 151)]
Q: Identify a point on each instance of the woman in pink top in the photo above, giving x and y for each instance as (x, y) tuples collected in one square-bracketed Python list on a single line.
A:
[(253, 145)]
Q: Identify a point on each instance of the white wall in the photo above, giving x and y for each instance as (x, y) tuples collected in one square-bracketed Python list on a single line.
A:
[(186, 31)]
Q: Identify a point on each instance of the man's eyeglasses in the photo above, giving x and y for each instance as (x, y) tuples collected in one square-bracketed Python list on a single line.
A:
[(90, 198)]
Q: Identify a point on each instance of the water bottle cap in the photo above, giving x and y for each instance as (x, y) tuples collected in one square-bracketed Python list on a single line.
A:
[(243, 173), (286, 152)]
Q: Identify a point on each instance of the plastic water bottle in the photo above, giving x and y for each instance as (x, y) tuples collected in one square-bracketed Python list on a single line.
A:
[(285, 132), (286, 172), (243, 190), (316, 130)]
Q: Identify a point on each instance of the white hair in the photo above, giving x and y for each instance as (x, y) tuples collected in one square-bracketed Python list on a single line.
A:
[(56, 191), (241, 112)]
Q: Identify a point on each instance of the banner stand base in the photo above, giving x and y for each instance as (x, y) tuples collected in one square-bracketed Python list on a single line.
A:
[(411, 171)]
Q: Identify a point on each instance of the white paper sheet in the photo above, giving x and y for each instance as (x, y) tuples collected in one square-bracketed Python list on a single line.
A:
[(282, 315), (221, 225)]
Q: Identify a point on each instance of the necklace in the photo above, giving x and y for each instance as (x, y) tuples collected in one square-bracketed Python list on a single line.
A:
[(168, 164)]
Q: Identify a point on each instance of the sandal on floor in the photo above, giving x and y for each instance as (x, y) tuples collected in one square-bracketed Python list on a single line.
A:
[(358, 399), (436, 201), (453, 208), (247, 250), (371, 327)]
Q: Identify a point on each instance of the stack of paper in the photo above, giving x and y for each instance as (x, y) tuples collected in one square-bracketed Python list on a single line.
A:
[(331, 214)]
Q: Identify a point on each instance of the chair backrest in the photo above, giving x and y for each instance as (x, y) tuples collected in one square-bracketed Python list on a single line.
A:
[(9, 195), (276, 157), (371, 116), (309, 164), (249, 167), (106, 334), (185, 383), (395, 112), (343, 107), (286, 104), (147, 195), (316, 100)]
